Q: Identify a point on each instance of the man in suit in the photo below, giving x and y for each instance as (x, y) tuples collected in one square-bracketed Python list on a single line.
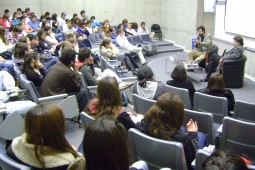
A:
[(203, 43), (235, 53)]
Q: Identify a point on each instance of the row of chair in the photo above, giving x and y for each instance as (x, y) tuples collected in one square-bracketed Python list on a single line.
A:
[(160, 153)]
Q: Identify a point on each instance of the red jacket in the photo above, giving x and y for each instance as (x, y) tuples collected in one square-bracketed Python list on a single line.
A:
[(6, 23)]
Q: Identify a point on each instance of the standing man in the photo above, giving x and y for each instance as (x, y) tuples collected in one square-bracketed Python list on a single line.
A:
[(203, 44), (64, 78)]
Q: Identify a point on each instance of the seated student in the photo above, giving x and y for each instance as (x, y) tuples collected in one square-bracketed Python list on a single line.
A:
[(82, 30), (47, 16), (95, 36), (147, 87), (13, 37), (25, 27), (215, 87), (110, 107), (94, 23), (5, 63), (123, 42), (164, 121), (62, 20), (83, 16), (88, 26), (86, 66), (235, 53), (5, 21), (113, 35), (15, 19), (43, 145), (41, 34), (130, 30), (34, 69), (45, 57), (64, 77), (112, 138), (224, 160), (20, 51), (144, 30), (105, 33), (52, 38), (68, 27), (111, 52), (180, 80), (55, 28), (34, 24), (76, 21)]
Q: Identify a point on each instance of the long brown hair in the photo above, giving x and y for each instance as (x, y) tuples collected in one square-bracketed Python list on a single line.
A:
[(20, 50), (105, 42), (108, 140), (45, 126), (109, 98), (27, 68), (2, 34), (165, 116), (215, 82)]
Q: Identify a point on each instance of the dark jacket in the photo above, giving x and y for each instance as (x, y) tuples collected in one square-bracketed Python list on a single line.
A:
[(186, 84), (125, 119), (225, 93), (88, 75), (36, 78), (189, 141), (60, 79)]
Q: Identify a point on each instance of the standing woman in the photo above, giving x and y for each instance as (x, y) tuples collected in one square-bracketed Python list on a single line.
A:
[(34, 69), (43, 145)]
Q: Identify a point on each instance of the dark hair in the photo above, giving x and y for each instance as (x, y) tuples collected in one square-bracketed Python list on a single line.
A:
[(82, 11), (6, 11), (42, 17), (17, 29), (2, 34), (82, 23), (19, 9), (92, 17), (26, 69), (47, 28), (67, 56), (39, 34), (75, 15), (107, 139), (20, 50), (239, 39), (84, 53), (144, 73), (45, 126), (202, 28), (165, 116), (88, 21), (14, 14), (108, 106), (215, 82), (54, 17), (224, 160), (31, 36), (110, 29), (179, 73), (47, 13), (142, 23)]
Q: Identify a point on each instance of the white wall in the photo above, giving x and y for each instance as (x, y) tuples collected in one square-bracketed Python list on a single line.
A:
[(179, 20)]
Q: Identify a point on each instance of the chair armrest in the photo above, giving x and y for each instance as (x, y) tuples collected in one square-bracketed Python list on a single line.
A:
[(55, 98), (146, 42), (128, 79), (2, 111), (91, 87)]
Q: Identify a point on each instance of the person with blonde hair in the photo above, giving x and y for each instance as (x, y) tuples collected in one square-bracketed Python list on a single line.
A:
[(43, 145)]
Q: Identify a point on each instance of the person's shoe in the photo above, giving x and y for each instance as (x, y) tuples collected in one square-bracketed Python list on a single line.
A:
[(204, 80), (125, 85)]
